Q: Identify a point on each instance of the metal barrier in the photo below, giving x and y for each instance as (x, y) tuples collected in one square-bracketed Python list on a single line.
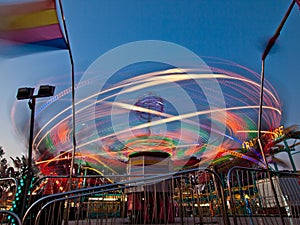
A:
[(252, 201), (186, 197), (8, 217)]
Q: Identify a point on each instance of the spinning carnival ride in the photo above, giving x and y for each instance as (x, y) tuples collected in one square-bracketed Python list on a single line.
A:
[(153, 107)]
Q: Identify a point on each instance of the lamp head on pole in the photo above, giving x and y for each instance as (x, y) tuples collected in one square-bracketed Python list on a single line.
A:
[(25, 93), (28, 92), (45, 91)]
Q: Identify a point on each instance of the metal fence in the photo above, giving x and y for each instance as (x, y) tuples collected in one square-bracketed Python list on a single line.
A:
[(186, 197), (243, 196), (8, 217), (257, 196)]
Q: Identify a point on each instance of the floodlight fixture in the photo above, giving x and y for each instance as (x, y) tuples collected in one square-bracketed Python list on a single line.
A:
[(25, 93), (45, 91)]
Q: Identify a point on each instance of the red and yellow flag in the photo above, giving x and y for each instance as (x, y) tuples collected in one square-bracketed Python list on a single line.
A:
[(34, 22)]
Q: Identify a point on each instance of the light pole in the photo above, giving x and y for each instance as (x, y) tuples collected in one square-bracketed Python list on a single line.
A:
[(269, 46), (28, 93)]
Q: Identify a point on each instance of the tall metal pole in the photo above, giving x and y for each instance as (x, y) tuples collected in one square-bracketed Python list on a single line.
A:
[(29, 171), (30, 147), (73, 104), (73, 87), (264, 55)]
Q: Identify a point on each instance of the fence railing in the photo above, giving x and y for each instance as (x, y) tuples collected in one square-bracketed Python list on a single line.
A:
[(186, 197), (251, 199), (193, 196), (8, 217)]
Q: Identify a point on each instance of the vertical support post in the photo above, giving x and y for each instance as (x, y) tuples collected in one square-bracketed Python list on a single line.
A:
[(275, 166), (220, 194), (30, 147), (269, 46), (181, 202), (288, 150), (73, 92), (232, 203), (29, 173), (199, 206)]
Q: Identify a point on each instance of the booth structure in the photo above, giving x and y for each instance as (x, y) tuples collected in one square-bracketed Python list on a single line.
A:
[(150, 202)]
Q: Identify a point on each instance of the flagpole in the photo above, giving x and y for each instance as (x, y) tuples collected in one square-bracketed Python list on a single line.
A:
[(269, 46), (73, 90)]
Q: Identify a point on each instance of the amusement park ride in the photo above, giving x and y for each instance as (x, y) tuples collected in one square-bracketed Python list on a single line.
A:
[(150, 146)]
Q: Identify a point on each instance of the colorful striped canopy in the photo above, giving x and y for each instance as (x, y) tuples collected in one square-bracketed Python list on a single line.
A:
[(31, 23)]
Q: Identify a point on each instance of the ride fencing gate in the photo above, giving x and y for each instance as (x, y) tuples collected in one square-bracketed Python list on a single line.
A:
[(243, 196), (256, 196)]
